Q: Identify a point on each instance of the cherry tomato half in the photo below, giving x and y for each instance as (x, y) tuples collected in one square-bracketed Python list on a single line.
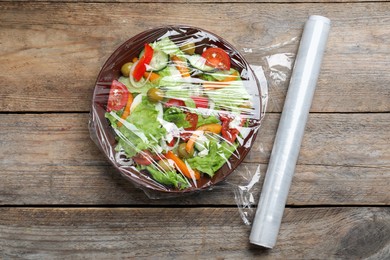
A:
[(146, 158), (172, 143), (201, 102), (192, 118), (229, 134), (217, 58), (118, 96), (173, 102)]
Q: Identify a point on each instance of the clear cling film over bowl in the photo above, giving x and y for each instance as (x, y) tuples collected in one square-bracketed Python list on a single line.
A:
[(176, 109)]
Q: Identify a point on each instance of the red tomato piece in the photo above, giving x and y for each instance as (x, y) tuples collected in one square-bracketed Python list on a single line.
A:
[(192, 118), (173, 102), (140, 66), (118, 96), (201, 102), (185, 136), (172, 143), (229, 134), (146, 158), (225, 131), (217, 58)]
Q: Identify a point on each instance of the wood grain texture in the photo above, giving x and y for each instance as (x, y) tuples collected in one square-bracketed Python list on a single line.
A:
[(101, 185), (61, 199), (330, 139), (201, 1), (188, 233), (50, 159), (51, 57)]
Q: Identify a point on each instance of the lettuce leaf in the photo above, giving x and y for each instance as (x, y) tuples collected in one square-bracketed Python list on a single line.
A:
[(145, 132), (207, 120), (216, 158), (168, 178), (113, 121), (176, 116), (230, 97)]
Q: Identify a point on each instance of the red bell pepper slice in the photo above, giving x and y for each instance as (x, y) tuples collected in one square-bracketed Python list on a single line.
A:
[(140, 67)]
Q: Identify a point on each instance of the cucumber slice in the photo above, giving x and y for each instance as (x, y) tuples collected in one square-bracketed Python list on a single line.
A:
[(222, 74), (198, 62), (167, 46), (159, 60)]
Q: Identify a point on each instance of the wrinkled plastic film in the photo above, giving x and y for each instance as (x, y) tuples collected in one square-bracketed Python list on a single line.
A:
[(215, 108), (290, 132)]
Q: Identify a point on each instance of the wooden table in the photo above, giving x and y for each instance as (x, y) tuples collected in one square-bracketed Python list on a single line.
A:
[(60, 198)]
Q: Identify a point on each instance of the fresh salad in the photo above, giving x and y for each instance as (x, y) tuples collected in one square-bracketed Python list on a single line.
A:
[(179, 112)]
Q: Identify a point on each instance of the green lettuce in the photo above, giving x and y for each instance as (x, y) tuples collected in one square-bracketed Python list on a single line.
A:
[(207, 120), (176, 116), (147, 130), (113, 121), (168, 178), (218, 154), (230, 97)]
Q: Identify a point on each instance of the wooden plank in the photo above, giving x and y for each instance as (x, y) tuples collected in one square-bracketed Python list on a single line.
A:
[(188, 233), (46, 158), (204, 1), (330, 139), (51, 57), (198, 1), (102, 185), (333, 139)]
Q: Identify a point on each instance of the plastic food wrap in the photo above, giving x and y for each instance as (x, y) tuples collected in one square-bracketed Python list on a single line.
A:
[(290, 132), (176, 109)]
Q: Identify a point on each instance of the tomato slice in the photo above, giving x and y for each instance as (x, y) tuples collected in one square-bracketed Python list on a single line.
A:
[(172, 143), (192, 118), (140, 67), (146, 158), (173, 102), (201, 102), (217, 58), (118, 96), (229, 134)]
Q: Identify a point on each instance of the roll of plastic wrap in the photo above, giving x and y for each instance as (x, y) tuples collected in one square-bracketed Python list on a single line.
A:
[(290, 132)]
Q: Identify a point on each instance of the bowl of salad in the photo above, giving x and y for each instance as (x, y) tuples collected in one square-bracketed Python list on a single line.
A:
[(175, 109)]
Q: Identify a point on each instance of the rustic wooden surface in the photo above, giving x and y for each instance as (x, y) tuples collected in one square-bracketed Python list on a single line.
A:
[(59, 197)]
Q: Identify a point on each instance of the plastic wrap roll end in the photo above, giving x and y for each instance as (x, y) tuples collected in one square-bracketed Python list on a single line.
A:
[(319, 18)]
